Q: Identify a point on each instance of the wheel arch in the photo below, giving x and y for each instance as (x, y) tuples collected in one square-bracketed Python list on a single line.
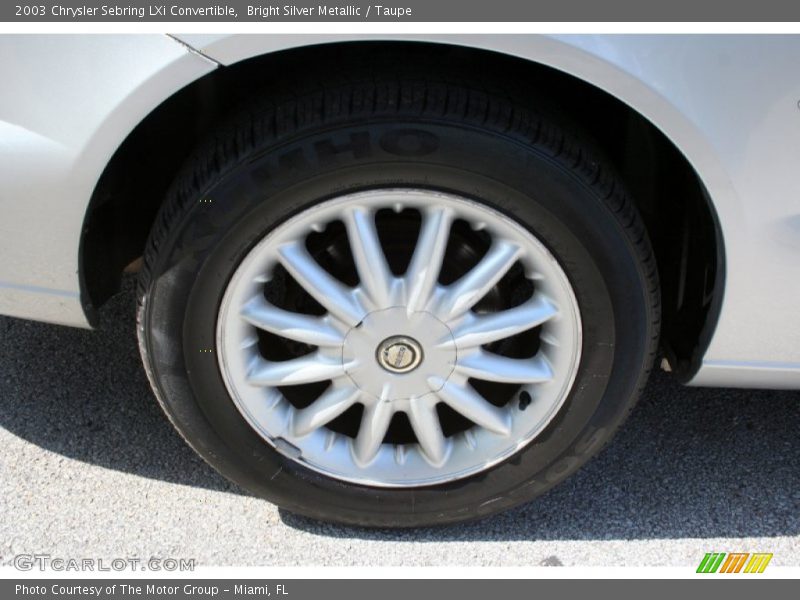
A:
[(676, 206)]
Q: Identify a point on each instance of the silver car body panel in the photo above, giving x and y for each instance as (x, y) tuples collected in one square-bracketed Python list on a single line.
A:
[(66, 104), (728, 103)]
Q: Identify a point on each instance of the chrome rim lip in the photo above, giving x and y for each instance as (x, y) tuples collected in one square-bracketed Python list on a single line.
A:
[(332, 455)]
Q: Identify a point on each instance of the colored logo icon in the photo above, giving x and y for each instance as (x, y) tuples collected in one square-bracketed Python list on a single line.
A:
[(734, 562)]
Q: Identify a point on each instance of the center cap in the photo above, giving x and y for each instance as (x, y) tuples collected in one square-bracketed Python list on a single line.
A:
[(390, 365), (399, 354)]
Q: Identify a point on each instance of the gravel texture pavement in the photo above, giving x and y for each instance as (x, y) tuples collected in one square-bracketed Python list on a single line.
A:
[(90, 467)]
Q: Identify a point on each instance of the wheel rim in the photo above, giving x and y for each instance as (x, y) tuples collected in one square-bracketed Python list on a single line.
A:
[(394, 360)]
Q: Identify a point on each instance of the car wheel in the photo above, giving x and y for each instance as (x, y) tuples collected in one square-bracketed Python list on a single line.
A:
[(397, 303)]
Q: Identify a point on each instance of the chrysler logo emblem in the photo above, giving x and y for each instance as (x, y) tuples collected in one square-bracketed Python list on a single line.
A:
[(399, 354)]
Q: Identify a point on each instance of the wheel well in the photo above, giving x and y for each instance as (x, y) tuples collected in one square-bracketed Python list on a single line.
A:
[(673, 202)]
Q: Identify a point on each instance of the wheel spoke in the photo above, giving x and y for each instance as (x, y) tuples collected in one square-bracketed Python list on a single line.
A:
[(334, 296), (486, 329), (306, 369), (332, 403), (468, 402), (376, 277), (492, 367), (294, 326), (374, 424), (463, 294), (425, 423), (426, 263)]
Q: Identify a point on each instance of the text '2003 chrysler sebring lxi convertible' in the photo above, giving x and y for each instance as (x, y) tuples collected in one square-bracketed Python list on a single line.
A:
[(399, 281)]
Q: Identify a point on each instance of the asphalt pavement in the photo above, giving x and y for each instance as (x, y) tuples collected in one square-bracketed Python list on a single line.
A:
[(89, 466)]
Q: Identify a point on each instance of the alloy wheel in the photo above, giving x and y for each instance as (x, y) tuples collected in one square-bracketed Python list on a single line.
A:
[(399, 337)]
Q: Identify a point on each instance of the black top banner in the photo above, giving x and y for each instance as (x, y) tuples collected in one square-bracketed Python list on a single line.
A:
[(402, 11)]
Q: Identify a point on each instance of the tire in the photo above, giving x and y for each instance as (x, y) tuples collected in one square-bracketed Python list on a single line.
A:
[(428, 143)]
